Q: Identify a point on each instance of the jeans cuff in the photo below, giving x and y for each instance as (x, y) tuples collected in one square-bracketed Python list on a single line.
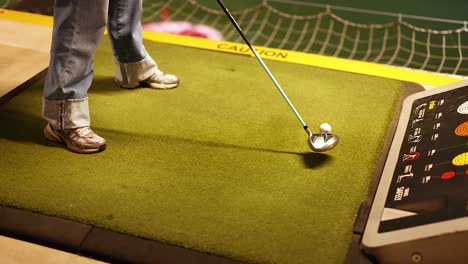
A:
[(66, 114), (132, 72)]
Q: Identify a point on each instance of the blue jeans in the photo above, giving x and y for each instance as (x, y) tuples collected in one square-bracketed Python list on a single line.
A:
[(78, 28)]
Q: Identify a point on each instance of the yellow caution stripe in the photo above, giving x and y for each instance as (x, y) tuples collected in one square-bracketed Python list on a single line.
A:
[(329, 62)]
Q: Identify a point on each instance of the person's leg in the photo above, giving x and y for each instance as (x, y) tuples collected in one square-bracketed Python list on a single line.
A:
[(134, 66), (78, 28)]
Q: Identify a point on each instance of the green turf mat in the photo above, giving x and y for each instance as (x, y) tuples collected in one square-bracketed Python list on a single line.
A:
[(219, 164)]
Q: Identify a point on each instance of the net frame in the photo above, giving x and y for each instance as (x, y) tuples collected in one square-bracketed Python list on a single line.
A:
[(397, 42)]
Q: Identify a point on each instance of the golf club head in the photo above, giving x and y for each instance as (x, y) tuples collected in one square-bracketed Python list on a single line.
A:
[(323, 142)]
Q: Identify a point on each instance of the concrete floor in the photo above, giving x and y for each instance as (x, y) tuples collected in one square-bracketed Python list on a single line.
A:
[(19, 252), (24, 52)]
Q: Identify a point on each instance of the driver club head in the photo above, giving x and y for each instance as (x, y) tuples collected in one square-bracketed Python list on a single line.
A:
[(323, 141)]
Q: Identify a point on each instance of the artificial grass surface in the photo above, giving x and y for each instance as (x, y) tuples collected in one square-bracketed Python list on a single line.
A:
[(219, 164)]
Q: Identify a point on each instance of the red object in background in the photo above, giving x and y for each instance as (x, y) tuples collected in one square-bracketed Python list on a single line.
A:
[(193, 34), (184, 28), (165, 13), (466, 172)]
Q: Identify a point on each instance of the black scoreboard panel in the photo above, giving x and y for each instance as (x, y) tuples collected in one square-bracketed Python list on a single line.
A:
[(430, 180), (420, 210)]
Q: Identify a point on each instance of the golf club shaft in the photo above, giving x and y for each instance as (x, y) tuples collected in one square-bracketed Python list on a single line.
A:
[(304, 125)]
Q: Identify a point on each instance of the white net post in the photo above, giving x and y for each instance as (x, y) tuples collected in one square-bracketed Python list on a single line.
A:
[(397, 49), (460, 50)]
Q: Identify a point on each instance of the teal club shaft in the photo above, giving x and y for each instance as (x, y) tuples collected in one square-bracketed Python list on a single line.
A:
[(265, 67)]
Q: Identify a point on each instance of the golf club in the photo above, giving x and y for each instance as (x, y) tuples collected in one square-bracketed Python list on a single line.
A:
[(317, 142)]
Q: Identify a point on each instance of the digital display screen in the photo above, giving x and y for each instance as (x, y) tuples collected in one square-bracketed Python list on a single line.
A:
[(430, 180)]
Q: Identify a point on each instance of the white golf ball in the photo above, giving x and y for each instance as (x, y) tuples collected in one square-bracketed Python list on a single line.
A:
[(325, 128)]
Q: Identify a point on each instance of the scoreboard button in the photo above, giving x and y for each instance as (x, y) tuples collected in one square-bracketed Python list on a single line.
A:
[(461, 159), (447, 175), (463, 108), (462, 129)]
